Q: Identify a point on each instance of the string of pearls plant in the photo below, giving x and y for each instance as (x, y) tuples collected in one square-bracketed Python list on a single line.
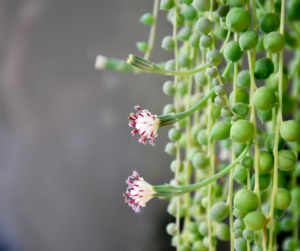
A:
[(261, 111)]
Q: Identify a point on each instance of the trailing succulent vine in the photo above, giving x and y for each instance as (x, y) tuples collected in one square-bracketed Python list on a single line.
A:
[(249, 106)]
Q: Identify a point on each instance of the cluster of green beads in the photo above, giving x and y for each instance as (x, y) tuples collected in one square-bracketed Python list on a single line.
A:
[(201, 27), (224, 35)]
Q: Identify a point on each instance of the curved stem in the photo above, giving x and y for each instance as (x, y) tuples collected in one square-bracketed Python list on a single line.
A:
[(193, 187)]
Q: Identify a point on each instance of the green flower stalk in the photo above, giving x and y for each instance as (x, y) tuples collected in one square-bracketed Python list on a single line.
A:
[(139, 192), (103, 62), (150, 67)]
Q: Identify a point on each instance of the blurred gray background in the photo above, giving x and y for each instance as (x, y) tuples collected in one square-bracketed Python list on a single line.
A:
[(65, 145)]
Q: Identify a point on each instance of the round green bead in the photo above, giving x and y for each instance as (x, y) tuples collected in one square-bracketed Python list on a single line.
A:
[(264, 98), (184, 61), (168, 43), (204, 25), (199, 246), (203, 228), (248, 40), (273, 81), (239, 214), (174, 134), (283, 199), (255, 221), (239, 224), (166, 4), (233, 52), (220, 130), (243, 79), (290, 130), (194, 40), (211, 72), (223, 232), (264, 181), (286, 160), (220, 90), (289, 244), (240, 244), (173, 166), (180, 19), (237, 3), (221, 32), (238, 20), (171, 229), (248, 234), (238, 233), (293, 10), (201, 5), (239, 174), (264, 116), (245, 200), (241, 96), (264, 67), (220, 101), (266, 162), (206, 41), (142, 46), (189, 12), (214, 57), (202, 137), (219, 211), (200, 78), (247, 162), (169, 88), (147, 18), (226, 112), (169, 108), (241, 109), (287, 224), (184, 33), (269, 22), (182, 88), (274, 42), (206, 242), (223, 10), (200, 161), (196, 129), (170, 148), (242, 131), (170, 65)]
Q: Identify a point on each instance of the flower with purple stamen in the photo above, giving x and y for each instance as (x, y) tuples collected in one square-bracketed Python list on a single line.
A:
[(146, 125), (138, 192)]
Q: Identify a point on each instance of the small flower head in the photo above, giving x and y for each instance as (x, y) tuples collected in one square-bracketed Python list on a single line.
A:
[(139, 62), (100, 63), (138, 192), (146, 125)]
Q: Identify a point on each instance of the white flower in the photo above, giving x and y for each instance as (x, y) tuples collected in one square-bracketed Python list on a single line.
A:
[(146, 125), (100, 62), (138, 193)]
